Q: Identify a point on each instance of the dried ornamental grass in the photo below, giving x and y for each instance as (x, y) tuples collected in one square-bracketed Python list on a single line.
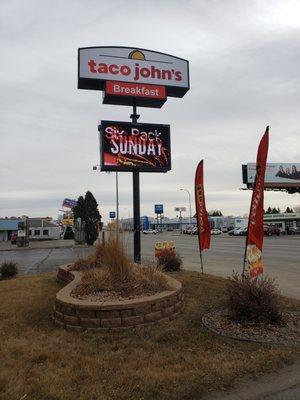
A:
[(256, 300), (140, 281), (110, 270), (169, 260), (8, 269), (84, 264)]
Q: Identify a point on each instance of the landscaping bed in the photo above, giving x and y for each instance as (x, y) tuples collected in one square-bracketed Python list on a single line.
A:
[(176, 360), (92, 312), (219, 322)]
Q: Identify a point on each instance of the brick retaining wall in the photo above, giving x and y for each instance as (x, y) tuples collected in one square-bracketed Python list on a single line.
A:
[(78, 315)]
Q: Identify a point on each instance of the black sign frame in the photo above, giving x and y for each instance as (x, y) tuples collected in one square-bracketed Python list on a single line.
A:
[(146, 127)]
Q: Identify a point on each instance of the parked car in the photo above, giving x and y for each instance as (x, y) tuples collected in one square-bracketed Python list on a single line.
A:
[(14, 238), (194, 231), (243, 232), (187, 230), (150, 232), (170, 229), (224, 229), (215, 232), (235, 232), (293, 231), (270, 230)]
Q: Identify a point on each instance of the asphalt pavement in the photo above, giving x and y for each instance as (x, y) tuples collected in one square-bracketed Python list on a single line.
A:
[(34, 261), (281, 256)]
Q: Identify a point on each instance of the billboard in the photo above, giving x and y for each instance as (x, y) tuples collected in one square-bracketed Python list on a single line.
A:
[(125, 146), (69, 203), (96, 65), (278, 175)]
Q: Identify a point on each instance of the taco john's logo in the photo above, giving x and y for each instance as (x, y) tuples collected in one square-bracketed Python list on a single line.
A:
[(137, 71)]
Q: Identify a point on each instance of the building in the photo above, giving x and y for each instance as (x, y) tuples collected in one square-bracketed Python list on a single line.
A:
[(283, 220), (8, 226), (39, 228), (43, 228)]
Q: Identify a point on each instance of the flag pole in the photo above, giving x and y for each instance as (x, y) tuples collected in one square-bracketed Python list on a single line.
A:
[(201, 261), (198, 222), (261, 160), (246, 243), (200, 250)]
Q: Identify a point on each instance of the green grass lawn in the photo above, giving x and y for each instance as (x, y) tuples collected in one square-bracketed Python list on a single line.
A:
[(178, 360)]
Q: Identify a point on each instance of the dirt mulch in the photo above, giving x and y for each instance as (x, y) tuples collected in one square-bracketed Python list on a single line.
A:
[(219, 322)]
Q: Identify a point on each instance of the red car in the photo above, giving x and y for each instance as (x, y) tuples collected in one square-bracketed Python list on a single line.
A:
[(14, 238), (270, 230)]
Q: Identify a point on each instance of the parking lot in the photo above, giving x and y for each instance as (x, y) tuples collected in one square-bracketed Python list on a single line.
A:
[(281, 256)]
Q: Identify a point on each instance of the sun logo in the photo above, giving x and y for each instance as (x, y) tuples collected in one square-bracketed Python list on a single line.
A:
[(136, 55)]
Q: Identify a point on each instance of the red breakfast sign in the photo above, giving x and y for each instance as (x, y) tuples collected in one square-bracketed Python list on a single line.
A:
[(133, 73), (144, 95)]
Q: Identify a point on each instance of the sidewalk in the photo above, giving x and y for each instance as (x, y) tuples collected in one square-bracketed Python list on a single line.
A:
[(43, 244), (281, 385)]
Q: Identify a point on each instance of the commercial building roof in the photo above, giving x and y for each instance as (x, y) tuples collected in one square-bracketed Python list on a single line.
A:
[(9, 224), (41, 222)]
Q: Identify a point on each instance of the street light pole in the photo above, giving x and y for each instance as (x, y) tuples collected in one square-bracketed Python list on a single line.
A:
[(190, 203)]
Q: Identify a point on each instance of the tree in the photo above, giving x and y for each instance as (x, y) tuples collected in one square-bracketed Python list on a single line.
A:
[(215, 213), (273, 210), (289, 210), (87, 210), (92, 218), (79, 211), (276, 210)]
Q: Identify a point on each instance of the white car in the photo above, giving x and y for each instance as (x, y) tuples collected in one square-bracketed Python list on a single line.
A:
[(235, 232), (150, 231), (215, 232)]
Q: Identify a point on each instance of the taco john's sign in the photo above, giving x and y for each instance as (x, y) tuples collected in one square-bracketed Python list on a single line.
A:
[(125, 73)]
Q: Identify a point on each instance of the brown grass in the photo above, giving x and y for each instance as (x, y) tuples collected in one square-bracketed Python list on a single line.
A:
[(178, 360), (169, 260), (112, 254), (84, 264), (254, 300), (138, 281), (109, 269)]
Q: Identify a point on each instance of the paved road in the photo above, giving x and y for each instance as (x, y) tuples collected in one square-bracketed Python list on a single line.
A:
[(43, 260), (281, 256)]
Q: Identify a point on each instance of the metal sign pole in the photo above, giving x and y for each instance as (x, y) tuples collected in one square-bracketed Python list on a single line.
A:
[(136, 202)]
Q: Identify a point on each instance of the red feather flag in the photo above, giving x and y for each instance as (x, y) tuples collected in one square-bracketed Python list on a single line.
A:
[(255, 235), (202, 217)]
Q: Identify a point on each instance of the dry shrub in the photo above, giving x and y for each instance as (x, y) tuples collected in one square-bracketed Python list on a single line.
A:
[(254, 300), (111, 254), (139, 281), (84, 264), (169, 261), (8, 269), (110, 270)]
